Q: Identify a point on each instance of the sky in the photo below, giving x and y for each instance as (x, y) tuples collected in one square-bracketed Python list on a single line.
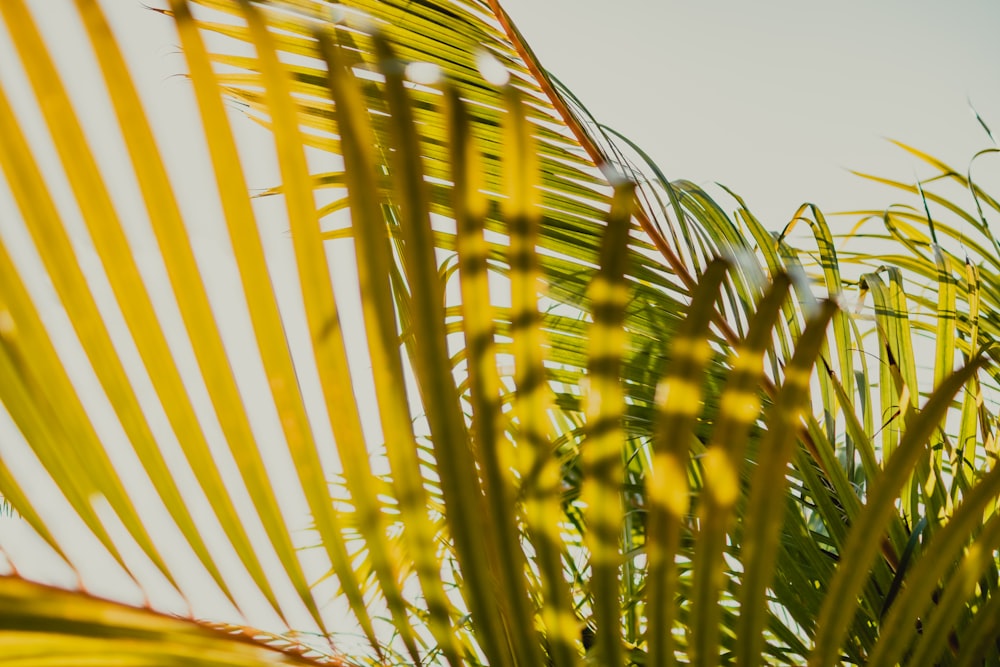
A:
[(776, 99)]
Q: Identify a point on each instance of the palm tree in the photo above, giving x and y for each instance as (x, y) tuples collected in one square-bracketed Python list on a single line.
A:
[(578, 412)]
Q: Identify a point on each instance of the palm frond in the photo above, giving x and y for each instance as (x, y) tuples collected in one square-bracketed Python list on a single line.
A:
[(577, 411)]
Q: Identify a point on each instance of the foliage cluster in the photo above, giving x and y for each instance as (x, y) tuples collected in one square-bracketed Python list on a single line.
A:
[(597, 418)]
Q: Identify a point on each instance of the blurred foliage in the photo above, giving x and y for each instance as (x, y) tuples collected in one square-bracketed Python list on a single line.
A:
[(581, 413)]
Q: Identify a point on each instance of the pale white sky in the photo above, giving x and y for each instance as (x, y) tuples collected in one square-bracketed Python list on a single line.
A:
[(778, 98), (773, 98)]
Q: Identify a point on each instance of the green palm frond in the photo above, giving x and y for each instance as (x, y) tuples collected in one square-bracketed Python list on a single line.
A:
[(43, 625), (578, 412)]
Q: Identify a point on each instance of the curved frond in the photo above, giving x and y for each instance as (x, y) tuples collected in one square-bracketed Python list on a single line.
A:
[(502, 394)]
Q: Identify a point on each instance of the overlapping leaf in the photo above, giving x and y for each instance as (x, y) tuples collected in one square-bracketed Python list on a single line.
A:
[(591, 429)]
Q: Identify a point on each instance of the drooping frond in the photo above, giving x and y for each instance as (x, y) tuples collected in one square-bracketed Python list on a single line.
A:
[(494, 396)]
